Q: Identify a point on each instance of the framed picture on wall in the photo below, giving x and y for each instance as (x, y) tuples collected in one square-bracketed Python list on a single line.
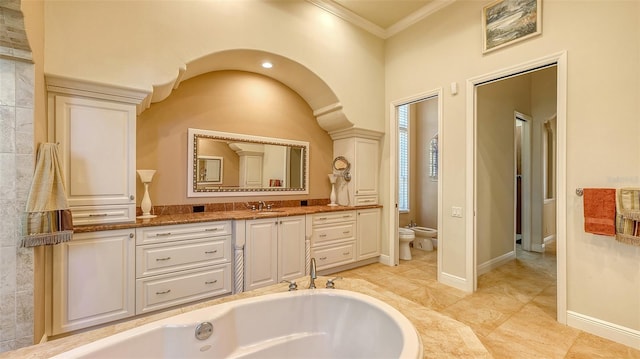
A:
[(505, 22)]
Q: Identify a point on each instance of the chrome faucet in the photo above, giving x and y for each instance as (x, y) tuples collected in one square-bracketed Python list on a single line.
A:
[(312, 274), (260, 205)]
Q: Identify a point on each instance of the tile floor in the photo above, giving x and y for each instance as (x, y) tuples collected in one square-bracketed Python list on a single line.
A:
[(513, 312)]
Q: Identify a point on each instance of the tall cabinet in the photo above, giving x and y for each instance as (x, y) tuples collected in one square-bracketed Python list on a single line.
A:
[(360, 148), (95, 127)]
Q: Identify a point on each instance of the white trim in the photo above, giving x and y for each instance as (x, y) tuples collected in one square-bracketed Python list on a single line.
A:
[(356, 132), (355, 19), (453, 280), (385, 259), (560, 59), (617, 333), (495, 262), (392, 207)]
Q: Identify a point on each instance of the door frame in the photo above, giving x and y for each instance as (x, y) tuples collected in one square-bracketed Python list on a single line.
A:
[(560, 60), (525, 183), (393, 213)]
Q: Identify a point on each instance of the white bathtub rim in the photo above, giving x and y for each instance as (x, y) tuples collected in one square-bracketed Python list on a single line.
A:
[(413, 347)]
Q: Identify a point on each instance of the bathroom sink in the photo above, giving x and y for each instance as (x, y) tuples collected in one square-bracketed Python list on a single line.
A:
[(266, 213)]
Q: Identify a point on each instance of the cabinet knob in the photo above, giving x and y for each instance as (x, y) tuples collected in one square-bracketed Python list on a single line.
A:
[(132, 197), (131, 235)]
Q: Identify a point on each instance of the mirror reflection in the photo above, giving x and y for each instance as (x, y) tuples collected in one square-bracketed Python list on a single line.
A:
[(236, 164)]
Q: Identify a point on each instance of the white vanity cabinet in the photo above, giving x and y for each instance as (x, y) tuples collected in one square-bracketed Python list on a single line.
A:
[(98, 152), (362, 153), (177, 264), (95, 125), (274, 250), (333, 239), (93, 280), (368, 239)]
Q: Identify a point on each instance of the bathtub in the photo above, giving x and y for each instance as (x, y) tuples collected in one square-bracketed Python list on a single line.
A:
[(318, 323)]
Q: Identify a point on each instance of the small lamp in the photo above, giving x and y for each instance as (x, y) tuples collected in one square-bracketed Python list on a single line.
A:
[(145, 205)]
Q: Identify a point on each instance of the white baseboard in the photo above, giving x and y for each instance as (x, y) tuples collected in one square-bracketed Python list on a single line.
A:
[(385, 259), (548, 239), (495, 263), (453, 281), (617, 333)]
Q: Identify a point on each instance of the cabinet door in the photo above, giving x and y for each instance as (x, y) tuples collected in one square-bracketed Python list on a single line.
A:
[(261, 253), (97, 144), (366, 167), (93, 280), (368, 243), (291, 247)]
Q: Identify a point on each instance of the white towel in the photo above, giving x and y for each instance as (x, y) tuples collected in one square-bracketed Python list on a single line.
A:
[(48, 218)]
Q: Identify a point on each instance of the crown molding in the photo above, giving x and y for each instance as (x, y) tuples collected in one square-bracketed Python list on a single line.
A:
[(355, 19)]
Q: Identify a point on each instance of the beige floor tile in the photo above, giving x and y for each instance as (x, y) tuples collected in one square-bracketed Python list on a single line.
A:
[(589, 346), (512, 313)]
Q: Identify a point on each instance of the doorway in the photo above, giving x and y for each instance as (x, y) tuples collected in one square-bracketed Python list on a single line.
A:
[(430, 102), (494, 253)]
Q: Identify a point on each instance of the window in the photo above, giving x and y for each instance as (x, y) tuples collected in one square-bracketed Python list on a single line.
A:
[(403, 158)]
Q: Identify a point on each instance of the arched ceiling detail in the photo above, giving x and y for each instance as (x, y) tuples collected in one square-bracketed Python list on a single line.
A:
[(323, 101)]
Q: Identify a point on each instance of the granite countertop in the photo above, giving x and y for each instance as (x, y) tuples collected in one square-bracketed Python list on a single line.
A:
[(184, 218), (441, 336)]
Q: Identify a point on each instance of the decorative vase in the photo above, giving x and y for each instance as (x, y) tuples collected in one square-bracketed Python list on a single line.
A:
[(145, 177), (332, 198)]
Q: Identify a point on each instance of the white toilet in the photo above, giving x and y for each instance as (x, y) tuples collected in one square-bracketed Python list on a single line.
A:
[(425, 238), (406, 236)]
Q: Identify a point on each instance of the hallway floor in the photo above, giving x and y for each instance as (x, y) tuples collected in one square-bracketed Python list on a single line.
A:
[(513, 311)]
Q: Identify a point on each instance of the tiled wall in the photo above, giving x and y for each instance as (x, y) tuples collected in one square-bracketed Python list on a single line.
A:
[(16, 171)]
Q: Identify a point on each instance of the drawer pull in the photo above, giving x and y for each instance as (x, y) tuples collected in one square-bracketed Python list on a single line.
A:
[(322, 235), (211, 229), (98, 214), (346, 216), (163, 234), (164, 292), (163, 259), (322, 219), (323, 258), (211, 282), (346, 232), (211, 252), (346, 253)]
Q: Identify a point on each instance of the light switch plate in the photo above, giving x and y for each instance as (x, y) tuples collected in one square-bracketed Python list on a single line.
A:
[(456, 212)]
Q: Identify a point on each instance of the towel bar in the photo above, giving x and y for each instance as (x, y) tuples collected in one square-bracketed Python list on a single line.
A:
[(579, 192)]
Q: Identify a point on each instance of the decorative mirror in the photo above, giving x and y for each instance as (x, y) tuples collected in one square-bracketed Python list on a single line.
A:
[(342, 166), (229, 164)]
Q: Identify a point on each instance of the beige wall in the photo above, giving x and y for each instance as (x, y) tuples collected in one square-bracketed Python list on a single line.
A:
[(495, 161), (227, 101), (426, 194), (602, 128), (140, 44)]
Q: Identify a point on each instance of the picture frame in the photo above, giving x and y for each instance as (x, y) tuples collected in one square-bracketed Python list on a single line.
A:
[(505, 22)]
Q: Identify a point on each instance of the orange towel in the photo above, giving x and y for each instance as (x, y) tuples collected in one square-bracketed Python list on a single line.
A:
[(600, 211)]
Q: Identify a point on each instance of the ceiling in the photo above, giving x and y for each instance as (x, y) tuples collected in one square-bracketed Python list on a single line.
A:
[(383, 18)]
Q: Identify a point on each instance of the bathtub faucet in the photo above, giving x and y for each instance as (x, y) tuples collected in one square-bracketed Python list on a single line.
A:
[(312, 274)]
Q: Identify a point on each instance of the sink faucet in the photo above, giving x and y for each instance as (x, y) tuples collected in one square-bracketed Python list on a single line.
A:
[(260, 205), (312, 274)]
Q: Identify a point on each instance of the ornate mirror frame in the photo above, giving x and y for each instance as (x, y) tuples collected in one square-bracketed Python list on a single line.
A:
[(193, 189)]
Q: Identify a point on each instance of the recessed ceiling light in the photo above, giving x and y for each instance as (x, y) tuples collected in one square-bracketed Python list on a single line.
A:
[(267, 65)]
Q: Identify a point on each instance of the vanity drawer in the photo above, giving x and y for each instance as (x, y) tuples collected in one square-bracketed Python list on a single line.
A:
[(365, 200), (167, 290), (332, 256), (336, 232), (334, 217), (88, 215), (180, 232), (152, 259)]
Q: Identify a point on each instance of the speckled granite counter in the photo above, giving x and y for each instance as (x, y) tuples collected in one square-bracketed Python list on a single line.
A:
[(442, 337), (183, 218)]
